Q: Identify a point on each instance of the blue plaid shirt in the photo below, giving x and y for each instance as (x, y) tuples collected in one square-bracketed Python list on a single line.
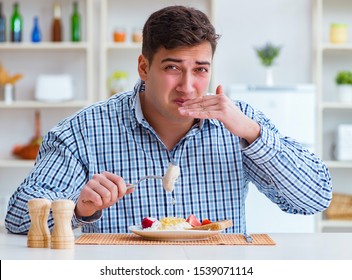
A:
[(216, 167)]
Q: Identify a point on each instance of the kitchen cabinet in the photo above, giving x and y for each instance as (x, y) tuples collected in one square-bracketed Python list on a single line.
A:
[(329, 59), (129, 16), (35, 59)]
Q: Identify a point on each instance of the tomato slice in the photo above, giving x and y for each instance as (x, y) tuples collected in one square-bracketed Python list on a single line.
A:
[(205, 222)]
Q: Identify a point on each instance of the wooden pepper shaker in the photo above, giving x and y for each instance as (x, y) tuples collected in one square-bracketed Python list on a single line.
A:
[(39, 234), (62, 236)]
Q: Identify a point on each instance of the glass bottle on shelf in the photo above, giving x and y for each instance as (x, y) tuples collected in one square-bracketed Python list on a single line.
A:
[(36, 34), (75, 24), (16, 24), (2, 25), (56, 30)]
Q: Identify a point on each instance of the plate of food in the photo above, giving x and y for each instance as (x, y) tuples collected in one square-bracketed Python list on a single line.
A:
[(179, 229)]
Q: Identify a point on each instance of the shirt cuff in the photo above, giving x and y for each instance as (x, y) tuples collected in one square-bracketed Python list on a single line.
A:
[(88, 220), (265, 147)]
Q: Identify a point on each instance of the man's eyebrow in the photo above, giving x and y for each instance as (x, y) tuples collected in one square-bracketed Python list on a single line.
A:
[(203, 62), (170, 59)]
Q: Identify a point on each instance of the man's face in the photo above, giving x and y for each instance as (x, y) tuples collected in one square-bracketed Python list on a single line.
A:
[(173, 77)]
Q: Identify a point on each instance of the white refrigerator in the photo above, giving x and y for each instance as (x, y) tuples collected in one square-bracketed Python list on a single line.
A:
[(292, 110)]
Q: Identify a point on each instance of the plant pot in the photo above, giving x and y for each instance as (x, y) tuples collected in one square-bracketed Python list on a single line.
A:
[(345, 93), (269, 80), (7, 93)]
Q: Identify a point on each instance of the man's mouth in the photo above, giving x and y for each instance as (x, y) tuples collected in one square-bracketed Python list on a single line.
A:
[(180, 101)]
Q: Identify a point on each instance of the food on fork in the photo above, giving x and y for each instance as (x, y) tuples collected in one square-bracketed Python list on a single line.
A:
[(170, 177)]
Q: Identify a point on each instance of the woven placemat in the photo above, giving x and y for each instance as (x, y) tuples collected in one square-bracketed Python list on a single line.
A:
[(132, 239)]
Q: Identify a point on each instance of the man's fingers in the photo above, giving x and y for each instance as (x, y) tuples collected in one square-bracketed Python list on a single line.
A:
[(104, 187), (119, 185), (112, 182), (219, 90), (91, 196), (200, 102), (103, 190)]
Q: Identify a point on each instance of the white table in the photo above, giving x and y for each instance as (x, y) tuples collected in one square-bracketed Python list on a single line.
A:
[(295, 246)]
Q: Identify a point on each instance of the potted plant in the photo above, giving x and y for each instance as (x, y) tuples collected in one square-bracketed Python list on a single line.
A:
[(267, 55), (7, 84), (344, 85)]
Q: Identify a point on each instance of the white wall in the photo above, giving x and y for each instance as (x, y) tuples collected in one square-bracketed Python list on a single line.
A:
[(248, 24)]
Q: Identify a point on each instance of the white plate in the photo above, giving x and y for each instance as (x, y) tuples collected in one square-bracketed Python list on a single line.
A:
[(175, 235)]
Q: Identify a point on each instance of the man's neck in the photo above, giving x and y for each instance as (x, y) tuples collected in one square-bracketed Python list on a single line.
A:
[(170, 132)]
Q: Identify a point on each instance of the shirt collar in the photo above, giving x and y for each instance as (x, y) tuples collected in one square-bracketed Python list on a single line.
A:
[(135, 104)]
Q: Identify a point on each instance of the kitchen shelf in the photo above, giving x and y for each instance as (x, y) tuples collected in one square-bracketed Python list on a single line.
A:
[(336, 223), (335, 106), (44, 46), (39, 105), (328, 60), (13, 163), (334, 47), (338, 164)]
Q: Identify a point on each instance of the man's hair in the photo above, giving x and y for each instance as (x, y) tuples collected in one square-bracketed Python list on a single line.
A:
[(177, 26)]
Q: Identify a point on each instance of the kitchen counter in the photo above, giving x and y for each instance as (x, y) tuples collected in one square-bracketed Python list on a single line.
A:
[(290, 246)]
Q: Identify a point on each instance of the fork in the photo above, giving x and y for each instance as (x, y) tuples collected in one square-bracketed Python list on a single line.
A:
[(131, 186), (249, 238)]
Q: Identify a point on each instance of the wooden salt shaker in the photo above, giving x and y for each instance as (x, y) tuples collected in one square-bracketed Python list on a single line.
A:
[(62, 235), (39, 234)]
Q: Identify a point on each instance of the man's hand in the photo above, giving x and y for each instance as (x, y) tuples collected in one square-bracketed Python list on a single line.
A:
[(221, 108), (102, 191)]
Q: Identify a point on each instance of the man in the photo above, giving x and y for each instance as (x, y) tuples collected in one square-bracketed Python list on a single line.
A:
[(219, 145)]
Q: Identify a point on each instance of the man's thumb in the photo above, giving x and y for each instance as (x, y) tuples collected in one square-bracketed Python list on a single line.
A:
[(219, 90)]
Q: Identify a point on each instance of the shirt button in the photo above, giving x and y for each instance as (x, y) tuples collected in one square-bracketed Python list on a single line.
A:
[(270, 181)]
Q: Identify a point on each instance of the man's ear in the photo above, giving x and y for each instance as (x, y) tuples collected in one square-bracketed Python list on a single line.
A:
[(143, 66)]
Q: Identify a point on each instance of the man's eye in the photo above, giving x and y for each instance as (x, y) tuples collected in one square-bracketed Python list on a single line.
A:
[(202, 70), (171, 67)]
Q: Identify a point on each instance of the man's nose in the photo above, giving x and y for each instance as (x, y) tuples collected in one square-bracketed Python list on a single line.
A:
[(186, 84)]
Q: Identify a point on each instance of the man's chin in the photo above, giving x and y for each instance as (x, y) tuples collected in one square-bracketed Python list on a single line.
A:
[(186, 119)]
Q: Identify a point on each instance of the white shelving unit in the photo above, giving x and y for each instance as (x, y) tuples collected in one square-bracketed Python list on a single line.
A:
[(31, 60), (329, 59), (129, 15), (46, 57)]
